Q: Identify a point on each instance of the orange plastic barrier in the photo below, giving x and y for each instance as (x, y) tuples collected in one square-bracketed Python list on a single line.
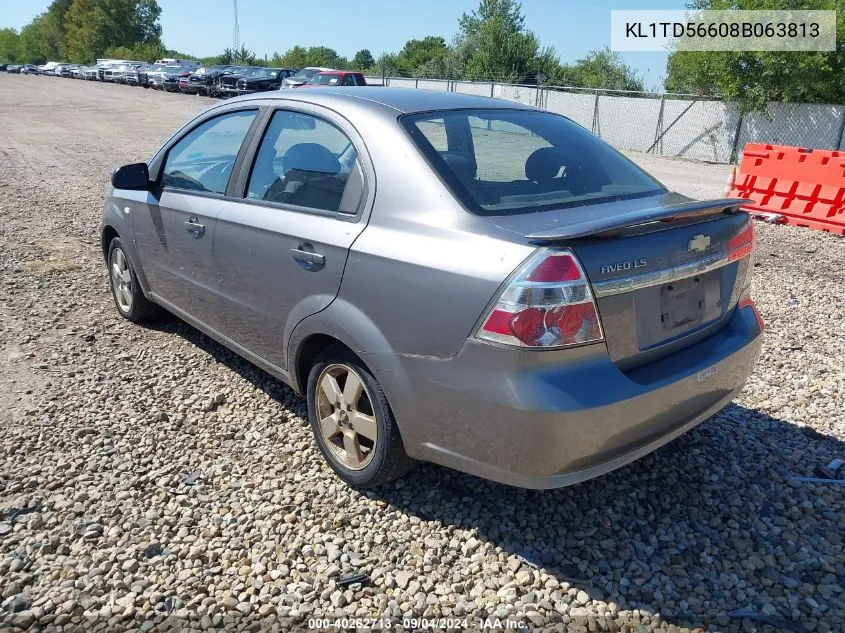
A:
[(805, 186)]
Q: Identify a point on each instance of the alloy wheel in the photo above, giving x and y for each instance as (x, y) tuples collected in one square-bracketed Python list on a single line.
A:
[(345, 412), (121, 280)]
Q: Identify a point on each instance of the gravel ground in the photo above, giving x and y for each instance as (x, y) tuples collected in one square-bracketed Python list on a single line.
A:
[(151, 479)]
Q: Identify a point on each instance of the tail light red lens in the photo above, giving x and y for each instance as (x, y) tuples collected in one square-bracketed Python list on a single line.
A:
[(743, 244), (548, 304), (560, 267)]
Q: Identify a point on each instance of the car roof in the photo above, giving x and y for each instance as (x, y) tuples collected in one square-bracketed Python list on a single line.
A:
[(402, 100)]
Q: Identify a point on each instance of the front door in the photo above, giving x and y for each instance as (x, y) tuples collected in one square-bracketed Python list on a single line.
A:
[(174, 231)]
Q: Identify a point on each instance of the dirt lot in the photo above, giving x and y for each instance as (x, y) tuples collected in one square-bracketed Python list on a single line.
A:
[(150, 478)]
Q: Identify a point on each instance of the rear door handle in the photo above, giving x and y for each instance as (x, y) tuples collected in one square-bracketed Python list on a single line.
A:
[(194, 229), (308, 259)]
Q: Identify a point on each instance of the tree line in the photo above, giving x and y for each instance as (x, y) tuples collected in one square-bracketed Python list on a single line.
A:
[(492, 43), (755, 77)]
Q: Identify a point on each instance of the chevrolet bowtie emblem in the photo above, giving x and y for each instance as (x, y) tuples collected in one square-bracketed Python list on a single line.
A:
[(699, 243)]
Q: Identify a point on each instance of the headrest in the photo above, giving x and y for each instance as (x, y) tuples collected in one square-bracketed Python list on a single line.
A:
[(311, 157), (544, 164)]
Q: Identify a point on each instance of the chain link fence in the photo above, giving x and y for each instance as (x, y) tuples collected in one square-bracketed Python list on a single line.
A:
[(687, 126)]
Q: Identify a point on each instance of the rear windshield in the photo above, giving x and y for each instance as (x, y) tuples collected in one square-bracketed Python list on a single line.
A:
[(500, 161)]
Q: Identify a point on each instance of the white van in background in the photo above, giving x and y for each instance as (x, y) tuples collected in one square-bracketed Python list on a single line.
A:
[(169, 61)]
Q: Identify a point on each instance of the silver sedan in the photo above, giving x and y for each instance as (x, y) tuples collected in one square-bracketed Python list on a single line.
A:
[(444, 277)]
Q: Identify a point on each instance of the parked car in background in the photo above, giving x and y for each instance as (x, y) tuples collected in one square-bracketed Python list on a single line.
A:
[(301, 76), (3, 67), (65, 70), (554, 314), (117, 73), (145, 72), (29, 69), (172, 75), (90, 73), (156, 77), (262, 79), (227, 83), (335, 78), (217, 81), (15, 69), (199, 81), (169, 61), (131, 76), (105, 70), (47, 69)]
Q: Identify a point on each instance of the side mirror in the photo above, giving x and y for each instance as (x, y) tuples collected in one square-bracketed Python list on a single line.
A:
[(134, 176)]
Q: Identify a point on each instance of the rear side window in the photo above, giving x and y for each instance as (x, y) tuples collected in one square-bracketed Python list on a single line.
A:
[(306, 161), (203, 159), (500, 161)]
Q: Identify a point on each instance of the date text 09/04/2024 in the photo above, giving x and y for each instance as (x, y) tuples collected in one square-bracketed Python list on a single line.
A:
[(460, 623)]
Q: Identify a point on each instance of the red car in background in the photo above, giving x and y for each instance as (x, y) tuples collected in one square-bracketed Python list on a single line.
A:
[(336, 78)]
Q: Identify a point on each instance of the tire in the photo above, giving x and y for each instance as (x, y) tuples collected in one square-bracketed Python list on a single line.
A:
[(380, 458), (128, 296)]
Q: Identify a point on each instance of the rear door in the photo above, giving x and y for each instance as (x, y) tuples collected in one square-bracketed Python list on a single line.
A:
[(280, 251)]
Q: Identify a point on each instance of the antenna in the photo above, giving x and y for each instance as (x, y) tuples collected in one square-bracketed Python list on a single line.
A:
[(236, 33)]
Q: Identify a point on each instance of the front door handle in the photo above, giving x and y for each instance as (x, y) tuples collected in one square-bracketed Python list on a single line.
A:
[(194, 228), (307, 258)]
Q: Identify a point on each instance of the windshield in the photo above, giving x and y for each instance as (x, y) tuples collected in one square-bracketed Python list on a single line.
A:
[(306, 73), (263, 73), (325, 79), (500, 161)]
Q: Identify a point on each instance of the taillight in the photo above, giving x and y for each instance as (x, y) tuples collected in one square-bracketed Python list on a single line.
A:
[(547, 304), (743, 244)]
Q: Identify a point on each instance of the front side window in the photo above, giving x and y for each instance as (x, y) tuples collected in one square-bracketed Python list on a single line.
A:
[(203, 159), (499, 161), (307, 162)]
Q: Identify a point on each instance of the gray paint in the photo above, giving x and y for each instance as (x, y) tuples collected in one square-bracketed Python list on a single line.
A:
[(406, 281)]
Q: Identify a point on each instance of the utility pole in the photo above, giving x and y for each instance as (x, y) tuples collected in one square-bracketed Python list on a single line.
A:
[(236, 32)]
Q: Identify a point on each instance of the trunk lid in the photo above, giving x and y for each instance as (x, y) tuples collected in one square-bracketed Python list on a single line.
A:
[(660, 267)]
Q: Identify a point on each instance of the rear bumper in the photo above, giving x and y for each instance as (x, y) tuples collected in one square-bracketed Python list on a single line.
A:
[(552, 419)]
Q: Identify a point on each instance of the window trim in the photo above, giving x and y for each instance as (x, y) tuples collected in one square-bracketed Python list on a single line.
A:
[(162, 158), (239, 190)]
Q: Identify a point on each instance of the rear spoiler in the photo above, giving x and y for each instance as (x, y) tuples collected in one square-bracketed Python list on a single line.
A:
[(666, 213)]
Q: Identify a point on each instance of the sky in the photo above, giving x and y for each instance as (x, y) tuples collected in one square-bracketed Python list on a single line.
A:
[(204, 27)]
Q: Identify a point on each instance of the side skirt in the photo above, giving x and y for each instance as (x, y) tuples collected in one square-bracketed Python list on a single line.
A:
[(270, 368)]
